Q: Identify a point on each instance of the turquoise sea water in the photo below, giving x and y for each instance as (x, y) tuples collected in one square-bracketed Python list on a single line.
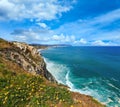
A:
[(93, 71)]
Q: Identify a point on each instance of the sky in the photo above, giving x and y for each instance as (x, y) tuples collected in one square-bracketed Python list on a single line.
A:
[(75, 22)]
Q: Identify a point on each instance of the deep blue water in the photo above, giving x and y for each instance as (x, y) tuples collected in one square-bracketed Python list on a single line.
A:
[(93, 71)]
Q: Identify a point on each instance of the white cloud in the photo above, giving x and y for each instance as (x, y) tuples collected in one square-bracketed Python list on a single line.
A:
[(63, 39), (49, 37), (81, 41), (103, 27), (85, 31), (89, 26), (57, 38), (99, 42), (102, 43), (21, 37), (32, 36), (43, 25), (108, 17), (32, 9), (41, 36)]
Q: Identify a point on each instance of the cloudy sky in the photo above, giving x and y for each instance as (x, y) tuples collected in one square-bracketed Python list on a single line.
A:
[(76, 22)]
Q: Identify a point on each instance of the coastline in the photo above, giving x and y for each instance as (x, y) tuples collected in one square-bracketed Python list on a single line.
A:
[(87, 71), (74, 91), (30, 68)]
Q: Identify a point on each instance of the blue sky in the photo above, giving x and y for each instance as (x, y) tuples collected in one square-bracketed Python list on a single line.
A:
[(76, 22)]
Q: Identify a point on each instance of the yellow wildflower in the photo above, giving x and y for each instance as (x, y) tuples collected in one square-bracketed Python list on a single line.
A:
[(11, 85), (18, 88), (30, 93), (38, 102), (6, 87), (4, 102), (60, 100), (6, 93), (6, 98)]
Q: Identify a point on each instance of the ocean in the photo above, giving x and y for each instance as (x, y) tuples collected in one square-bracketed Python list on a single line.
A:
[(93, 71)]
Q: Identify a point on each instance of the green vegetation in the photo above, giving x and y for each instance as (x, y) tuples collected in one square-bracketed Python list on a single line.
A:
[(25, 89), (18, 88)]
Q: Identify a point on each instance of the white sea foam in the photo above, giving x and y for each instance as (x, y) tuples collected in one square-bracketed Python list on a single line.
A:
[(62, 74), (113, 86), (39, 50), (57, 70), (68, 82), (104, 97)]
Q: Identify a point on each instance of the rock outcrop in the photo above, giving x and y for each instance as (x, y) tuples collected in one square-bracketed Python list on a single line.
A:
[(16, 60), (28, 58)]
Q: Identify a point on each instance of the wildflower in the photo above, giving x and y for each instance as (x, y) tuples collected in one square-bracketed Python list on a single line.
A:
[(19, 88), (30, 93), (32, 90), (41, 88), (60, 100), (4, 102), (6, 93), (6, 98), (38, 102), (11, 85), (7, 87)]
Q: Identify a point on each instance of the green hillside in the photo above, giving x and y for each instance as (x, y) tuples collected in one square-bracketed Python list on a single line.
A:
[(19, 88)]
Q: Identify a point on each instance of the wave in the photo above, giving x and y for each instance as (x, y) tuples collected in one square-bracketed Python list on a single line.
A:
[(58, 70), (62, 74), (96, 87)]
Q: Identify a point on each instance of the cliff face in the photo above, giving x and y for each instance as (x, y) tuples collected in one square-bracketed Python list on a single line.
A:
[(27, 57), (20, 87)]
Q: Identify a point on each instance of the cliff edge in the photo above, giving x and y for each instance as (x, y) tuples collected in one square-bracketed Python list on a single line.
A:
[(27, 57), (25, 81)]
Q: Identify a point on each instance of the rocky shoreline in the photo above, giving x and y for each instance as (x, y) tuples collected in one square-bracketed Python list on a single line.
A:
[(21, 57), (28, 58)]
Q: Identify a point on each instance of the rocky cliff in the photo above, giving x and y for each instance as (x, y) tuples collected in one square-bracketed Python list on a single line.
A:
[(27, 57), (24, 81)]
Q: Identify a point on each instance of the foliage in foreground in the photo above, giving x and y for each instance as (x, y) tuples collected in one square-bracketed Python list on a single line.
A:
[(27, 90)]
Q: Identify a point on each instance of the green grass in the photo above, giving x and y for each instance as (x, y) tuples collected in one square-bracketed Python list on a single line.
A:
[(27, 90), (18, 88)]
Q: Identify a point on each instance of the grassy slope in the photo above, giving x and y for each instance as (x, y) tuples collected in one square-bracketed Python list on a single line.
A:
[(21, 89)]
